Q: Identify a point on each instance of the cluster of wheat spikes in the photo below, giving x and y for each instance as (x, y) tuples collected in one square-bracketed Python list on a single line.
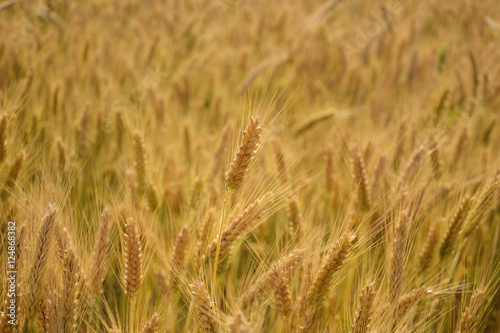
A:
[(250, 166)]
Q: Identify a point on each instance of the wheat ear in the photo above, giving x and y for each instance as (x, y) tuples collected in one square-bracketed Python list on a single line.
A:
[(411, 167), (41, 252), (434, 155), (13, 174), (400, 144), (363, 314), (72, 274), (204, 232), (282, 299), (480, 205), (100, 261), (279, 156), (248, 149), (461, 143), (429, 247), (238, 227), (334, 260), (360, 179), (286, 264), (132, 278), (378, 172), (454, 227), (206, 314), (152, 325), (238, 324), (294, 216), (411, 298), (180, 249), (470, 316), (62, 156), (140, 163), (397, 265)]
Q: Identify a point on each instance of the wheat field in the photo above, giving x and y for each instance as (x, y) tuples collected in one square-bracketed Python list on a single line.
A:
[(249, 166)]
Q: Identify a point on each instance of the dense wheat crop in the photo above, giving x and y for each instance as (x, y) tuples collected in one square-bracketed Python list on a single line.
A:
[(249, 166)]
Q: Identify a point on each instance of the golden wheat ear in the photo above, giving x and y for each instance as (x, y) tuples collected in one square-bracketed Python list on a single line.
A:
[(132, 254), (100, 261), (248, 148), (360, 177), (221, 247), (287, 264), (238, 324), (152, 325), (397, 264), (282, 298), (206, 313), (363, 314), (72, 276), (10, 181), (470, 317), (33, 298), (334, 260)]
